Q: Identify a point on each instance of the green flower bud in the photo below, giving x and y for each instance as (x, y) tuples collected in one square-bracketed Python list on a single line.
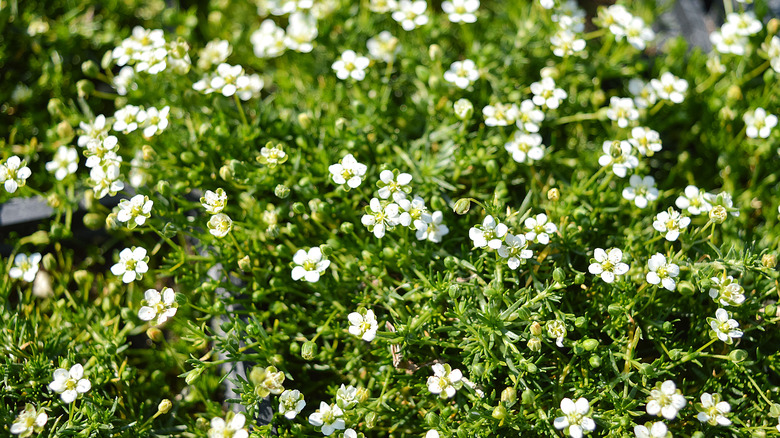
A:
[(85, 87), (579, 278), (154, 334), (770, 311), (106, 60), (594, 361), (49, 262), (464, 109), (718, 214), (590, 344), (281, 191), (737, 356), (462, 206), (39, 238), (499, 412), (64, 130), (164, 406), (54, 106), (245, 263), (347, 227), (90, 69), (509, 395), (371, 419), (187, 157), (534, 344), (434, 52), (193, 375), (164, 188), (94, 221), (309, 350), (554, 194), (528, 398), (535, 328), (304, 119), (769, 261), (298, 208), (431, 419)]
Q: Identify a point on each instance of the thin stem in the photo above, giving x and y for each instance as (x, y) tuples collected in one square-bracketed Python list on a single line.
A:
[(241, 110)]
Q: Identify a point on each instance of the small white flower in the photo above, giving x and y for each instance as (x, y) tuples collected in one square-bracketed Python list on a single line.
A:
[(529, 116), (291, 403), (546, 94), (70, 383), (727, 40), (662, 272), (608, 265), (670, 87), (14, 173), (363, 325), (619, 155), (249, 86), (524, 146), (214, 202), (432, 434), (155, 121), (310, 265), (382, 6), (411, 212), (712, 410), (128, 118), (29, 421), (515, 250), (380, 218), (726, 291), (383, 47), (431, 227), (268, 40), (25, 267), (132, 264), (64, 163), (644, 94), (641, 190), (771, 51), (160, 305), (351, 65), (539, 229), (135, 211), (622, 111), (96, 130), (219, 225), (636, 32), (500, 114), (462, 73), (445, 381), (759, 124), (651, 430), (215, 53), (556, 329), (272, 155), (744, 23), (645, 140), (461, 10), (395, 184), (672, 223), (348, 171), (234, 428), (575, 420), (566, 43), (693, 201), (724, 200), (665, 399), (488, 234), (725, 328), (411, 14), (301, 32), (346, 396), (328, 417)]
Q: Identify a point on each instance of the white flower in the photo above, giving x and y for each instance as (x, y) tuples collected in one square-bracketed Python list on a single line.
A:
[(546, 4), (670, 87), (135, 211), (249, 86), (445, 381), (106, 177), (569, 16), (329, 418), (728, 40), (693, 201), (613, 17), (431, 227), (382, 6), (644, 94), (539, 229), (132, 264), (96, 130), (99, 152), (268, 40), (380, 218), (524, 146), (500, 114), (310, 265), (744, 23), (637, 33), (556, 329), (665, 399), (515, 250), (29, 420), (566, 43), (411, 14), (219, 225), (25, 267), (351, 65), (159, 305), (461, 10), (622, 111), (152, 61), (363, 325), (608, 265), (619, 155), (291, 403), (651, 430), (575, 419), (712, 410), (645, 140), (432, 434), (383, 47), (662, 272), (395, 184), (759, 124), (672, 223), (215, 53), (14, 173), (463, 109), (723, 199), (545, 93), (348, 171), (462, 73), (346, 396), (726, 291), (127, 119), (724, 327), (155, 121), (641, 190), (488, 234), (771, 50), (65, 162), (214, 202), (411, 212), (272, 155), (529, 116), (70, 383), (301, 32), (232, 429)]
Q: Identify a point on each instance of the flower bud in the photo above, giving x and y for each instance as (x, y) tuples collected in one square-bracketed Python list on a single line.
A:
[(245, 263), (434, 52), (550, 72), (770, 311), (298, 208), (347, 227), (154, 334), (94, 221), (193, 375), (54, 106), (281, 191), (304, 119), (554, 194), (594, 361), (536, 328), (615, 151), (85, 87), (41, 287), (462, 206), (464, 109), (39, 238), (111, 221), (509, 395), (106, 60), (49, 262), (590, 344), (81, 276), (309, 350), (558, 275), (226, 173), (534, 344), (773, 26), (164, 406), (431, 419), (90, 69), (371, 419), (734, 93), (528, 397), (499, 412), (769, 261), (64, 130), (738, 355), (148, 152), (718, 214)]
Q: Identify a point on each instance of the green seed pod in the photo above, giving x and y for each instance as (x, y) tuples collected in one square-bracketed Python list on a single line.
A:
[(499, 412), (281, 191), (347, 227), (431, 419), (462, 206), (298, 208), (528, 397), (594, 361), (509, 395), (164, 406), (309, 350), (579, 278), (590, 344), (371, 419)]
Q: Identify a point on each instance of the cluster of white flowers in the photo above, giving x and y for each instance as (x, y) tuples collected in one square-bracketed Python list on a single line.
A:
[(230, 80), (101, 152), (726, 291), (270, 40), (214, 202), (330, 417), (393, 208), (514, 248), (383, 47), (232, 428), (569, 17), (14, 173), (64, 163), (148, 51), (622, 24), (732, 37), (771, 50), (525, 147)]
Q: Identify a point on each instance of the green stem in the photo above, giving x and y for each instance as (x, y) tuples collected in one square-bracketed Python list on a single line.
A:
[(755, 72), (241, 110)]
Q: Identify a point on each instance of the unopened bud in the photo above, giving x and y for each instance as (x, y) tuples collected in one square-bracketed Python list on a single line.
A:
[(558, 275), (499, 412), (464, 109), (90, 68), (164, 406), (39, 238), (734, 93), (154, 334), (106, 60), (308, 350), (509, 395), (718, 214), (590, 344), (49, 262), (94, 221), (304, 120), (112, 223), (431, 419), (281, 191), (535, 328), (462, 206), (64, 130), (769, 261), (148, 152), (54, 106), (341, 123), (554, 194), (371, 418), (773, 26), (615, 151), (434, 52), (85, 87), (528, 397), (534, 344), (245, 263)]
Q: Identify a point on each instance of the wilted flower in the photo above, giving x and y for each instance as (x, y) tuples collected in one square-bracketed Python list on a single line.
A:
[(29, 421), (214, 202), (726, 291)]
